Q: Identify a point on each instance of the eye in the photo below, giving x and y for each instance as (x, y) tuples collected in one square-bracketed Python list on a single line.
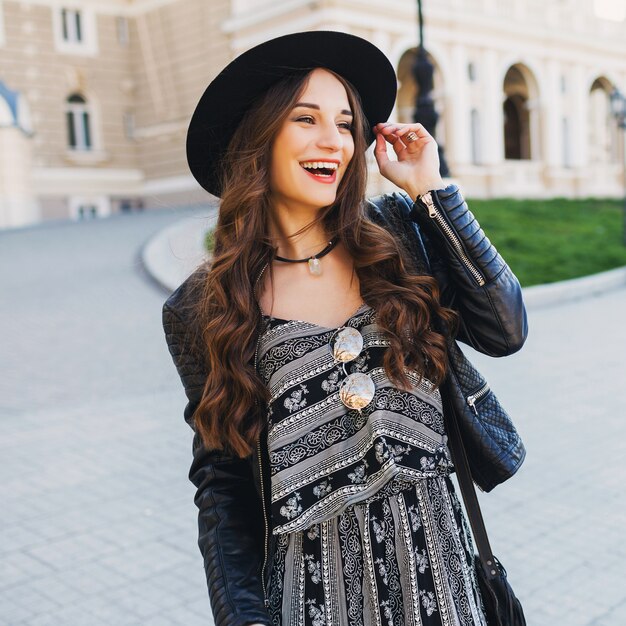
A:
[(346, 125), (305, 118)]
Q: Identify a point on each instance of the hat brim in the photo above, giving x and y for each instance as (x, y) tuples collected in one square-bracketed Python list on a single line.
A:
[(228, 97)]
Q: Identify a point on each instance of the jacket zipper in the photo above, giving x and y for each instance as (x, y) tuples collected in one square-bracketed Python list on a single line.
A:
[(476, 396), (266, 601), (472, 399), (435, 214)]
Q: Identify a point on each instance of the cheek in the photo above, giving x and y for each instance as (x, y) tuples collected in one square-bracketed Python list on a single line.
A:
[(349, 149), (348, 153), (283, 163), (281, 174)]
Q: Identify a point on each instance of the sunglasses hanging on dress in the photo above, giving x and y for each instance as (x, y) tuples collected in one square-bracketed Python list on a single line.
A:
[(357, 389)]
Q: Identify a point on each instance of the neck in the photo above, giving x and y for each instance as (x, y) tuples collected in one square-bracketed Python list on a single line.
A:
[(282, 224)]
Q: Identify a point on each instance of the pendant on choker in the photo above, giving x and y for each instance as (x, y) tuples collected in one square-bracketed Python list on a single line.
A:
[(315, 265)]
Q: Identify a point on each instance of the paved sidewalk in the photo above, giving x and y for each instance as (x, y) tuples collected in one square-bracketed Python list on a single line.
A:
[(558, 524), (98, 523)]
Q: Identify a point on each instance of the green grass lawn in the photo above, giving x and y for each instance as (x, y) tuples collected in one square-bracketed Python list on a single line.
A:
[(209, 240), (548, 240)]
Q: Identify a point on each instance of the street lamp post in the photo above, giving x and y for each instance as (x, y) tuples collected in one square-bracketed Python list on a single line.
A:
[(618, 110), (425, 112)]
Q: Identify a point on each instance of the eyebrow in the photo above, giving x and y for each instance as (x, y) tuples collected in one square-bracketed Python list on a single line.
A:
[(310, 105)]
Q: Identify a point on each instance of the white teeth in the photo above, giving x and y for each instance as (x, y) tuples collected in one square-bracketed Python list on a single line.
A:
[(320, 164)]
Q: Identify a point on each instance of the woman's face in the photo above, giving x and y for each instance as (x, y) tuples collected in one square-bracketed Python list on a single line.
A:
[(313, 147)]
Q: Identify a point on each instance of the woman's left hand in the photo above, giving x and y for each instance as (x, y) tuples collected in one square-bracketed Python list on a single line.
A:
[(417, 167)]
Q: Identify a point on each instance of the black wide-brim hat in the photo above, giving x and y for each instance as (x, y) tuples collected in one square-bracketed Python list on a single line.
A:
[(228, 97)]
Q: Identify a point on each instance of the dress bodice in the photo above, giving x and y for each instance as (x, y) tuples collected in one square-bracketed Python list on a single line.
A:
[(325, 457)]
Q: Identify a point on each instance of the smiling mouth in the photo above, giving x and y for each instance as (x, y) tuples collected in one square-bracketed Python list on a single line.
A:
[(321, 169)]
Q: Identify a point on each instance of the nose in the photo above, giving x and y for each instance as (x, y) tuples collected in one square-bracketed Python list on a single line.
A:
[(329, 137)]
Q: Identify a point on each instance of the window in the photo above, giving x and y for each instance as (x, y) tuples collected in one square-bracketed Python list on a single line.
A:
[(121, 24), (71, 25), (475, 131), (87, 211), (471, 71), (129, 125), (78, 123), (75, 29), (89, 207)]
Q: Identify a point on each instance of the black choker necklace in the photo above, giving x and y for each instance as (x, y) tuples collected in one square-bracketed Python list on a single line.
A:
[(315, 267)]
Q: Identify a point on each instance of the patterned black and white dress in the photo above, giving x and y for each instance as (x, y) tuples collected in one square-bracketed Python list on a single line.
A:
[(369, 530)]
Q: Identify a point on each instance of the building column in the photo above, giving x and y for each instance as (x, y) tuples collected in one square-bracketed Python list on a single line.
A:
[(535, 130), (580, 118), (457, 100), (552, 135), (492, 114), (18, 205)]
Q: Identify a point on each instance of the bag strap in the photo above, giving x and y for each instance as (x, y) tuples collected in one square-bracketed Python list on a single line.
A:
[(459, 458)]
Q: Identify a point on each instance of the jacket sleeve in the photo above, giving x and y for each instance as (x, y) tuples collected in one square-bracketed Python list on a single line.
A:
[(230, 519), (473, 277)]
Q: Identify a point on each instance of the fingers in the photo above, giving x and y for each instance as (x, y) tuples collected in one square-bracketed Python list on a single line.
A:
[(396, 134), (400, 129), (380, 151), (388, 132), (389, 136)]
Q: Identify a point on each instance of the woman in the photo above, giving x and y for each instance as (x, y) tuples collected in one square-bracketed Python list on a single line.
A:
[(313, 346)]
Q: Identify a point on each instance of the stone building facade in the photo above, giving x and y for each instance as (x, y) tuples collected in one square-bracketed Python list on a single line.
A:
[(95, 95)]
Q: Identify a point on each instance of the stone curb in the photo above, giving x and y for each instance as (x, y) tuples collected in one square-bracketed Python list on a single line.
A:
[(172, 254), (553, 294)]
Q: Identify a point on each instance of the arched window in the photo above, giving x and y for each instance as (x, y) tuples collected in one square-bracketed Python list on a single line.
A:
[(409, 91), (78, 123), (520, 118), (603, 147), (515, 128)]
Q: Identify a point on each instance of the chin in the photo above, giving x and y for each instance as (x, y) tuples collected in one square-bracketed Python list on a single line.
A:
[(322, 201)]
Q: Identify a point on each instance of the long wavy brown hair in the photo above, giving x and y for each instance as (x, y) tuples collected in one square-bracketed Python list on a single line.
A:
[(232, 411)]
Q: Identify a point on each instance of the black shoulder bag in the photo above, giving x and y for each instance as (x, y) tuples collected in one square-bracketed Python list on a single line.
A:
[(502, 608)]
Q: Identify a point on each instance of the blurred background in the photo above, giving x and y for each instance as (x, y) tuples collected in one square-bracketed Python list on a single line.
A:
[(95, 96), (100, 219)]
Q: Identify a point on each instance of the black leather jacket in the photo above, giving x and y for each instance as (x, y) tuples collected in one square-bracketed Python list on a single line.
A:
[(232, 498)]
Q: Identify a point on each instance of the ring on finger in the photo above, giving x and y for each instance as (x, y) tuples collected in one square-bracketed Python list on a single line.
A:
[(410, 137)]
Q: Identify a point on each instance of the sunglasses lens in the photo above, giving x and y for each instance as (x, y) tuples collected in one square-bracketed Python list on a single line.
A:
[(357, 390), (347, 345)]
